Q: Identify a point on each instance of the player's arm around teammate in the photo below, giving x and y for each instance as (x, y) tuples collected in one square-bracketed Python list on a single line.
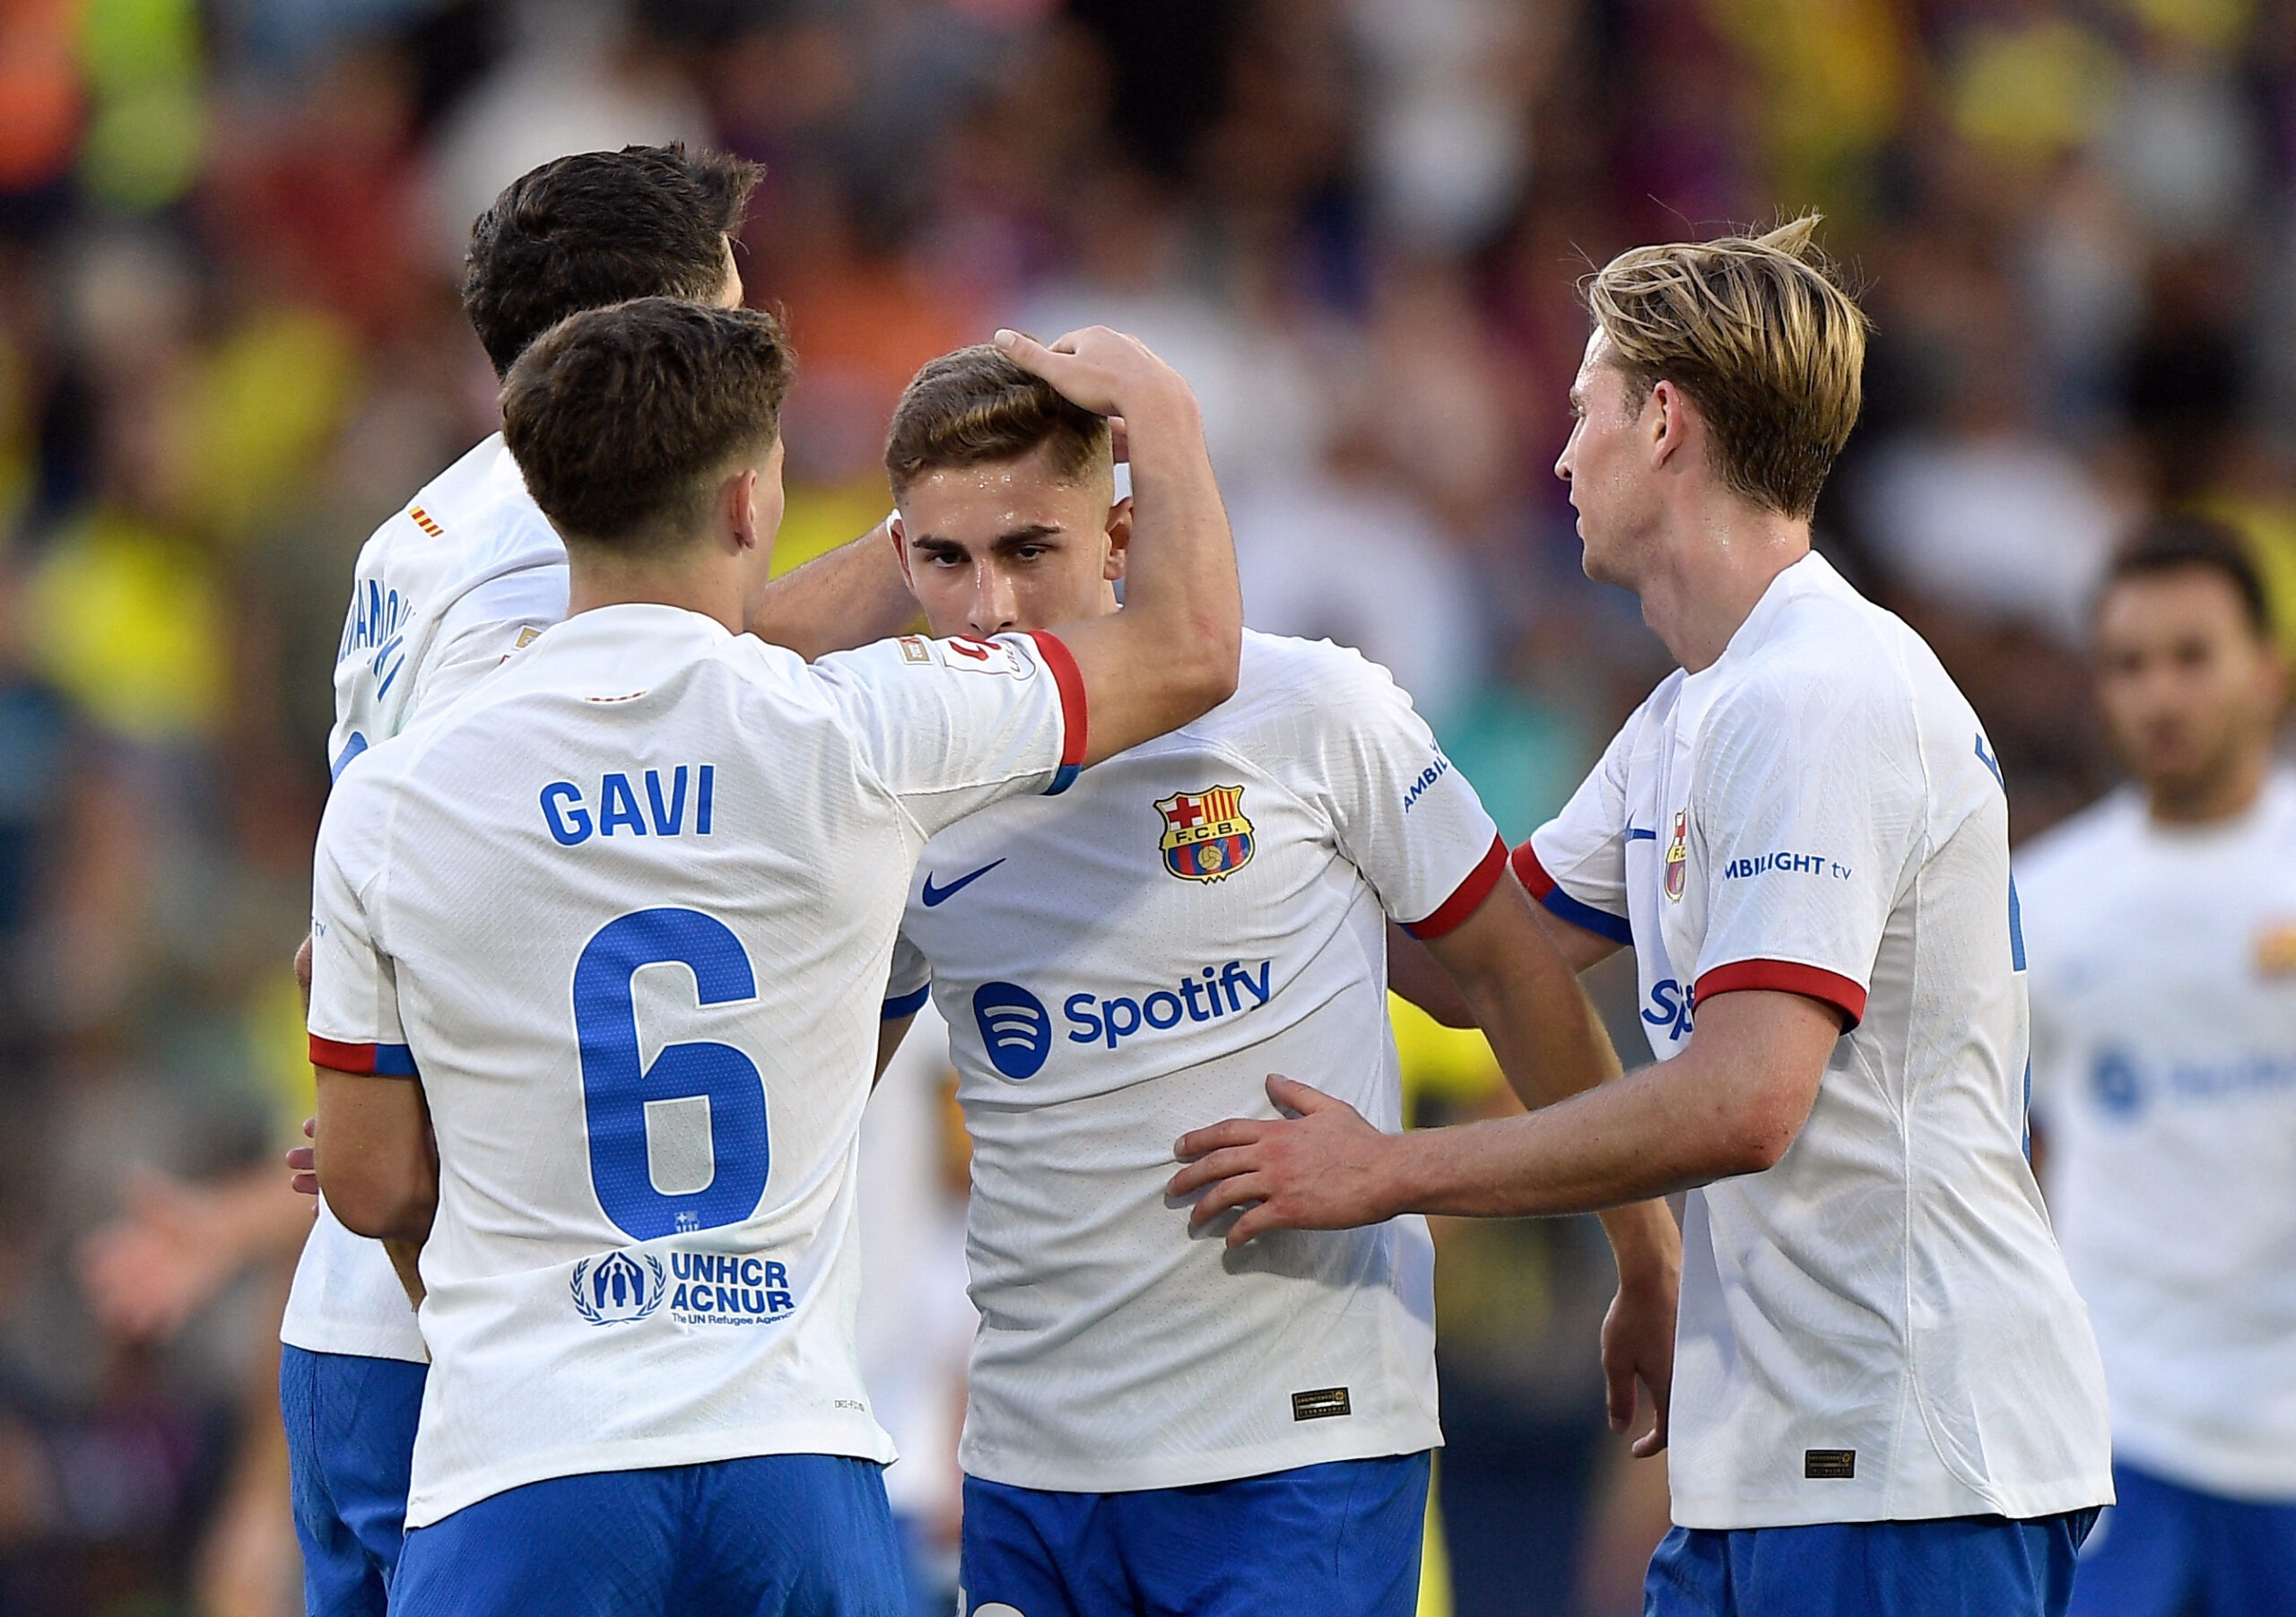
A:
[(1169, 655)]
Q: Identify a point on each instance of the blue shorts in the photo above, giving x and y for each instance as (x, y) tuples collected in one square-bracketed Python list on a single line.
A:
[(2165, 1549), (1340, 1540), (775, 1535), (1960, 1565), (350, 1440)]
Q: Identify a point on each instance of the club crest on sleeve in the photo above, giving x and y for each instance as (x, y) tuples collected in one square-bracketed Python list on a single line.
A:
[(1206, 837), (1678, 858)]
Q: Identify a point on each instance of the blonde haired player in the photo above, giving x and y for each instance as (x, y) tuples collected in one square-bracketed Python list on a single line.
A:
[(1886, 1396)]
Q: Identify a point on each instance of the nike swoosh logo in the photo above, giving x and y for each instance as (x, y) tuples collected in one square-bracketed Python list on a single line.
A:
[(934, 895)]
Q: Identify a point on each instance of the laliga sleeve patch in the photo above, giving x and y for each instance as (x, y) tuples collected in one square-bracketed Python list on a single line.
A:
[(966, 655)]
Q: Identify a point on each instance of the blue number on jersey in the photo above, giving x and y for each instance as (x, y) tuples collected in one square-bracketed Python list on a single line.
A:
[(615, 1088)]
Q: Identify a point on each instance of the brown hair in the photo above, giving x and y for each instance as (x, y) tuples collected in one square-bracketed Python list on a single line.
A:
[(623, 418), (975, 406), (1761, 335), (583, 232), (2185, 541)]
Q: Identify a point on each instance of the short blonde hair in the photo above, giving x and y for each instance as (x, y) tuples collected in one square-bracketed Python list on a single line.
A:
[(1761, 335)]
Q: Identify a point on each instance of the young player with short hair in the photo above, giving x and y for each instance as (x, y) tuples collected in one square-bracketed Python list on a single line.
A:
[(1155, 1425), (447, 588), (2161, 932), (614, 931), (1886, 1397)]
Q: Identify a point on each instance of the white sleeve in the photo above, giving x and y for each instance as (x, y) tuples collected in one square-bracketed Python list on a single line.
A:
[(1403, 815), (481, 629), (354, 1020), (909, 982), (1575, 865), (952, 726), (1804, 807)]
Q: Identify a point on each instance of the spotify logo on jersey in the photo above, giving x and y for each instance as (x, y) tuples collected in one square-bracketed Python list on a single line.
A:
[(1014, 1028)]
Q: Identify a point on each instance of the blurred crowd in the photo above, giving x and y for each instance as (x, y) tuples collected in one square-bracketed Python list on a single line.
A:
[(229, 344)]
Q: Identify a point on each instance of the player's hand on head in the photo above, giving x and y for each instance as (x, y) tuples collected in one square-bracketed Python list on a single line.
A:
[(1106, 371), (1324, 1167)]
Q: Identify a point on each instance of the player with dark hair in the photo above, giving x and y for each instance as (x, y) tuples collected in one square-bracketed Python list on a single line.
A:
[(447, 587), (599, 954), (2161, 932), (1887, 1399), (1152, 1426)]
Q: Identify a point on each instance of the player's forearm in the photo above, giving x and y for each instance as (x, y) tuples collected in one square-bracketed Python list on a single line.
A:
[(1551, 1046), (374, 1157), (1644, 1135), (851, 596), (1182, 576), (1171, 655)]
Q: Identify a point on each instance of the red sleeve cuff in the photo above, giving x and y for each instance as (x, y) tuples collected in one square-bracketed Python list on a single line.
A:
[(1070, 682), (376, 1060), (1466, 897), (1530, 872), (1785, 977)]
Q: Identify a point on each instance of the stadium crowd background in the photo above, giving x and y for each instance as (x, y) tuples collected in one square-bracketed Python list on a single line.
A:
[(229, 344)]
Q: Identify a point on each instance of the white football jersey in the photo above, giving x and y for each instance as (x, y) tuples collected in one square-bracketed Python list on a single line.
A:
[(1131, 960), (1880, 1327), (444, 591), (627, 909), (2164, 980)]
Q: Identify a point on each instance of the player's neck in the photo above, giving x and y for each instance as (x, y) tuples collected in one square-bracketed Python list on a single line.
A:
[(1712, 570), (2223, 794), (699, 582)]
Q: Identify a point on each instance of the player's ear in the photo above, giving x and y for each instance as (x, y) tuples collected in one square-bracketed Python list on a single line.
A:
[(737, 507), (897, 532), (1120, 540), (1664, 418)]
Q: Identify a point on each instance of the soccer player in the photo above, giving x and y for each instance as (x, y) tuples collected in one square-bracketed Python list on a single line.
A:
[(444, 591), (1886, 1396), (2161, 932), (1154, 1425), (614, 929)]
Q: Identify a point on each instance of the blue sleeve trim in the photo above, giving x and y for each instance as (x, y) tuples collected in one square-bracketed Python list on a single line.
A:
[(1602, 923), (1062, 779), (907, 1004), (394, 1061), (350, 749)]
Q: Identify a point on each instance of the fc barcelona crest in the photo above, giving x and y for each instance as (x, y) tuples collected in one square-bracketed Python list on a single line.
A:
[(1678, 856), (1206, 838)]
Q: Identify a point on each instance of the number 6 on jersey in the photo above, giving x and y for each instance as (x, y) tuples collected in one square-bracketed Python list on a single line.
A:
[(617, 1089)]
